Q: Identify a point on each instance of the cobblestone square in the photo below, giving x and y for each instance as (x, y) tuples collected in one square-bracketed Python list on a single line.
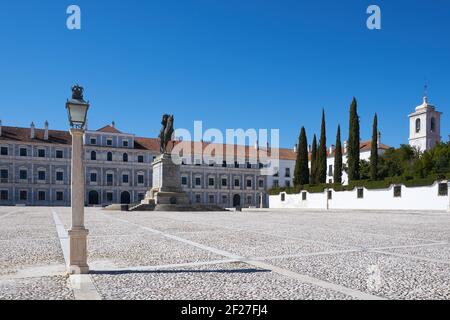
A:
[(256, 254)]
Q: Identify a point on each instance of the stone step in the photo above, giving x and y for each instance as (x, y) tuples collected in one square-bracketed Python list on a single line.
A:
[(143, 207)]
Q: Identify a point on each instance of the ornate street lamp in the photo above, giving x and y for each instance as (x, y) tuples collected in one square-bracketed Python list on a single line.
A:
[(77, 110)]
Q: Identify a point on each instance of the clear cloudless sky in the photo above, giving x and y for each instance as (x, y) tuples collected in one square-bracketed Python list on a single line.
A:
[(231, 63)]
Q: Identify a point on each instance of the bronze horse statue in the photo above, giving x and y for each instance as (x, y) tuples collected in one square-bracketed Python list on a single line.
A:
[(167, 130)]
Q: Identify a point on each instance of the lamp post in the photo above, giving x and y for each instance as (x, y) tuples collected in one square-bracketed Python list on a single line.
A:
[(77, 111)]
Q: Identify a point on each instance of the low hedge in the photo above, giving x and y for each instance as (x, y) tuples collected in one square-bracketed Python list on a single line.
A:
[(409, 182)]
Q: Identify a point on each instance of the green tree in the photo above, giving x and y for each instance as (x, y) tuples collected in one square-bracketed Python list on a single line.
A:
[(374, 151), (338, 158), (322, 154), (353, 143), (313, 179), (301, 175)]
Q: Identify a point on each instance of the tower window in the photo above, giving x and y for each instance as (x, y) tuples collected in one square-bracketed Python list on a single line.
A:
[(418, 125), (433, 125)]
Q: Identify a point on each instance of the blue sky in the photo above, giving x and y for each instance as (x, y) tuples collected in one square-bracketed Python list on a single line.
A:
[(231, 63)]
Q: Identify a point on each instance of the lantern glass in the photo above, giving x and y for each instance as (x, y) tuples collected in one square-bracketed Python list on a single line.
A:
[(77, 114)]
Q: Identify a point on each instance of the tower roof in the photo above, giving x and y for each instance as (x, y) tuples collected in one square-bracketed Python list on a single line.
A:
[(425, 104)]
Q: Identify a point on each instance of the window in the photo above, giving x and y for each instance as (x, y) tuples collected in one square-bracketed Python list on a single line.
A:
[(249, 183), (224, 182), (198, 181), (93, 177), (236, 164), (260, 165), (249, 165), (4, 176), (141, 159), (276, 184), (93, 155), (59, 154), (23, 152), (23, 174), (4, 151), (41, 153), (443, 189), (433, 125), (198, 198), (109, 142), (184, 181), (288, 173), (276, 172), (59, 176), (41, 175), (304, 196), (261, 183), (236, 182), (288, 184), (283, 197), (109, 196), (125, 143), (211, 198), (211, 182), (125, 178), (125, 157), (141, 179), (397, 192), (41, 195), (417, 125), (109, 179), (330, 195), (93, 141), (109, 156), (4, 195), (330, 170), (224, 164), (23, 195), (59, 196), (360, 193), (224, 199), (249, 200)]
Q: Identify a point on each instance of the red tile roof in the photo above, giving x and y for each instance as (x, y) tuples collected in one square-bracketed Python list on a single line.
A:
[(109, 129), (152, 144)]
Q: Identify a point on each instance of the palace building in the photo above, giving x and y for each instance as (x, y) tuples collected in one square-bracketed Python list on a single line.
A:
[(35, 166)]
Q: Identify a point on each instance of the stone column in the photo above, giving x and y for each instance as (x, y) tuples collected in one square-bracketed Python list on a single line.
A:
[(78, 233)]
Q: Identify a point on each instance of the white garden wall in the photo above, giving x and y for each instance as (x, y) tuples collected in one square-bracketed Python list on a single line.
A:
[(415, 198)]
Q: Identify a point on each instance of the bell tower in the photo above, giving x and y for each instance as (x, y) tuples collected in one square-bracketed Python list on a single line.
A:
[(425, 126)]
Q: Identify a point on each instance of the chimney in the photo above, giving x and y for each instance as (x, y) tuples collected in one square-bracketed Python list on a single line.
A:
[(113, 124), (32, 133), (46, 130), (268, 147), (345, 147), (257, 145), (332, 147), (295, 148), (0, 128)]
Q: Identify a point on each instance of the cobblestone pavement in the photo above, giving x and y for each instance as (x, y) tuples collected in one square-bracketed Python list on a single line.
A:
[(256, 254)]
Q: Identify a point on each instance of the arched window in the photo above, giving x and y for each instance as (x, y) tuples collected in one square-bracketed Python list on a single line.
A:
[(433, 125), (109, 156), (417, 125), (125, 157), (93, 155)]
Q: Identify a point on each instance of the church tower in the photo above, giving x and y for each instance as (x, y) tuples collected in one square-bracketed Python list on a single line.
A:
[(425, 126)]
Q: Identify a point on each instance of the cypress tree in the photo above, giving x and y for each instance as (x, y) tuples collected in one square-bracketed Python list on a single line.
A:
[(338, 158), (313, 179), (301, 175), (374, 151), (353, 143), (322, 155)]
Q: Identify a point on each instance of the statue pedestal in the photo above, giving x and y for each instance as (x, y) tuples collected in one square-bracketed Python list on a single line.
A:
[(166, 183)]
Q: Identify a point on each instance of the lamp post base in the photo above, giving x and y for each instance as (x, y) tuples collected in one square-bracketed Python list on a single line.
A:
[(78, 251)]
